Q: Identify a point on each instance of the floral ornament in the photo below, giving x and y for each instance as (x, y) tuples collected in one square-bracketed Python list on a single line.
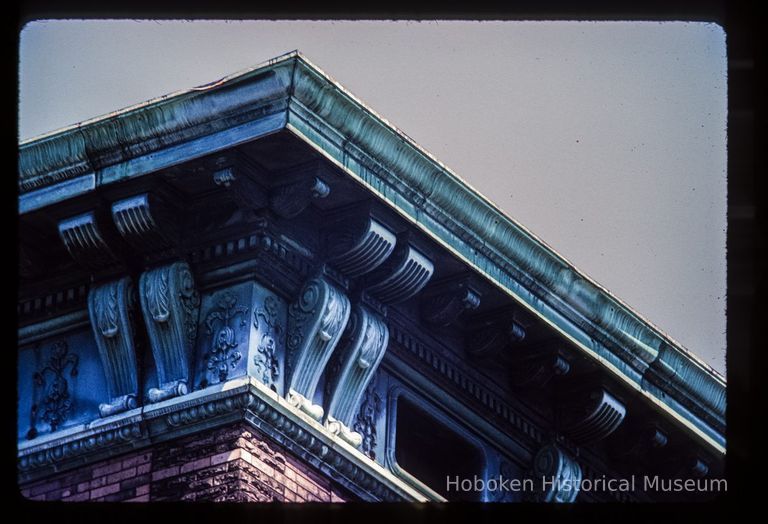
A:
[(56, 404), (222, 355)]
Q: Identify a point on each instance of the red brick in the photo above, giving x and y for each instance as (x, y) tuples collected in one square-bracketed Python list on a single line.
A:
[(98, 482), (121, 475), (165, 473), (137, 460), (106, 490), (79, 497), (108, 469), (336, 498), (142, 498), (198, 464), (83, 486), (45, 487), (142, 490), (227, 456), (144, 468)]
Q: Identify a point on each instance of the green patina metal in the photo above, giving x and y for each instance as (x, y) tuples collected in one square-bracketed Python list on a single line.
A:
[(320, 111)]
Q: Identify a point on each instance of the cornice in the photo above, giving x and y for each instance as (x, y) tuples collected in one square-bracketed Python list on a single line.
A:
[(291, 93)]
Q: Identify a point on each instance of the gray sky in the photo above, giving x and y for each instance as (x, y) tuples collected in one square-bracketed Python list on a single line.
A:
[(606, 140)]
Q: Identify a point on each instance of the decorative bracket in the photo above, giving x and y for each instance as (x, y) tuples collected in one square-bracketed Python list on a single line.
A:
[(404, 274), (290, 200), (557, 474), (490, 338), (110, 307), (534, 367), (170, 305), (357, 247), (368, 336), (315, 325), (442, 304), (588, 419), (144, 222), (86, 242), (246, 193)]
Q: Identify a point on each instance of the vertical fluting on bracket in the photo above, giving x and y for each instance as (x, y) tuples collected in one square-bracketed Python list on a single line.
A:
[(170, 305), (356, 249), (557, 474), (85, 241), (368, 336), (588, 419), (316, 322), (110, 308), (403, 275), (140, 220)]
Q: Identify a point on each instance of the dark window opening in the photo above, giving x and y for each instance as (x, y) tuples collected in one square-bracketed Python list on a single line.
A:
[(433, 453)]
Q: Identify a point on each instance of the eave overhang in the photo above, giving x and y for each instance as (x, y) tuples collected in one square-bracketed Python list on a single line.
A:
[(291, 93)]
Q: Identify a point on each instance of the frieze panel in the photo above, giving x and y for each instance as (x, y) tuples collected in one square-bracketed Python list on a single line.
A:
[(367, 418), (60, 384), (225, 337), (170, 304), (269, 321)]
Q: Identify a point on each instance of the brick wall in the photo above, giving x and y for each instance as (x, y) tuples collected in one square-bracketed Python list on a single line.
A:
[(225, 464)]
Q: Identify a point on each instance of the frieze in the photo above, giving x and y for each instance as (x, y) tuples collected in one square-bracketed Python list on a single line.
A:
[(220, 324), (271, 332), (365, 420), (68, 298), (110, 307), (170, 305), (460, 379), (53, 403)]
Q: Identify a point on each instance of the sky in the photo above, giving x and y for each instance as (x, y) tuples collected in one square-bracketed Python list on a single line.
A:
[(606, 140)]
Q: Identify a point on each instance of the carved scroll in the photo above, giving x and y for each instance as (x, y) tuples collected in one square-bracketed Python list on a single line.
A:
[(85, 241), (356, 248), (592, 418), (110, 307), (170, 305), (557, 474), (368, 338), (404, 274), (315, 324)]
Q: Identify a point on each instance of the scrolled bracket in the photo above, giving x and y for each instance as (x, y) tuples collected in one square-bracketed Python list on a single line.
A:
[(557, 474), (170, 304), (316, 322), (110, 309), (368, 337)]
